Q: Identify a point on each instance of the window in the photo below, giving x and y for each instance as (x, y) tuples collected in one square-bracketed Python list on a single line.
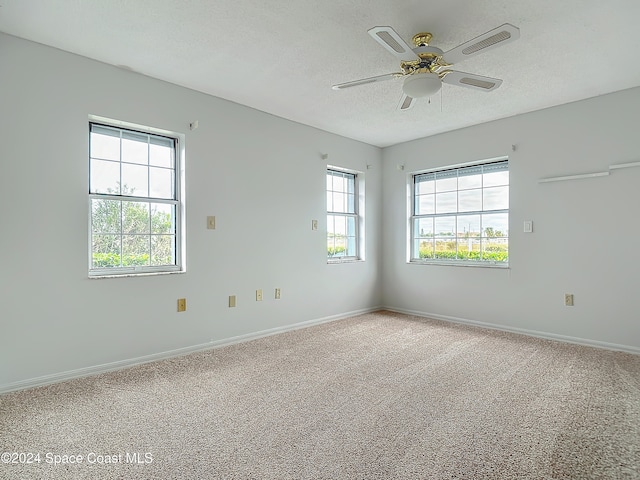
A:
[(461, 215), (342, 216), (135, 209)]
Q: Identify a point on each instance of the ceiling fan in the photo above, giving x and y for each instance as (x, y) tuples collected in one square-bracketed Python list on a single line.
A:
[(424, 68)]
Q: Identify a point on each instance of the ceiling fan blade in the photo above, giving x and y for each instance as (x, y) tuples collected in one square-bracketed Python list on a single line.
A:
[(406, 102), (472, 81), (494, 38), (364, 81), (389, 39)]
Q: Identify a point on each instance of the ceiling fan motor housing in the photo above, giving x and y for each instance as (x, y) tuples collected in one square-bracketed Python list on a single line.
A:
[(428, 60), (427, 50)]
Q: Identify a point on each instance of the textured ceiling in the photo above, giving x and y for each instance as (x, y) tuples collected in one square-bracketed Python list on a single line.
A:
[(282, 56)]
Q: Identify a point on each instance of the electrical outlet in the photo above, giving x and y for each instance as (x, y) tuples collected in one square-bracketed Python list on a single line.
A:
[(568, 299), (277, 294), (232, 301), (182, 304), (259, 295)]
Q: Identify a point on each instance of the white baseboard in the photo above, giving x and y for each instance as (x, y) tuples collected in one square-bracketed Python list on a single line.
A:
[(522, 331), (118, 365)]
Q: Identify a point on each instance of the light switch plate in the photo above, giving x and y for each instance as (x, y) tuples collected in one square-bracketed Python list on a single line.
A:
[(211, 222), (528, 226)]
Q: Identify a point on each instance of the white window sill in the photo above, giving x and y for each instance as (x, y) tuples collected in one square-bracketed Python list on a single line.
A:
[(348, 260), (132, 274), (461, 264)]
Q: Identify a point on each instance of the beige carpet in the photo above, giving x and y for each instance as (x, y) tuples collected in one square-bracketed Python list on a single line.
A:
[(376, 396)]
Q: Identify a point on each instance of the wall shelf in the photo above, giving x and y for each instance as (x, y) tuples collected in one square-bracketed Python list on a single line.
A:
[(624, 165), (573, 177), (590, 175)]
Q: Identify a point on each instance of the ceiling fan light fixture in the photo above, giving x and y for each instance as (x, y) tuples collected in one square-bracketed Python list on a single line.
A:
[(421, 85)]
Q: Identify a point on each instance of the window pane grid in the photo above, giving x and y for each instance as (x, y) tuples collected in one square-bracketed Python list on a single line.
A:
[(465, 224), (134, 209), (138, 236), (342, 215), (131, 151), (341, 235), (340, 192)]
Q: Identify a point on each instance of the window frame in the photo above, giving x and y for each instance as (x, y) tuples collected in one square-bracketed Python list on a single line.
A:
[(358, 207), (178, 230), (413, 257)]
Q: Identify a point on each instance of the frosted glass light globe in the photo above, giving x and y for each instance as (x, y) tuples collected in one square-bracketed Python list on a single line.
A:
[(421, 85)]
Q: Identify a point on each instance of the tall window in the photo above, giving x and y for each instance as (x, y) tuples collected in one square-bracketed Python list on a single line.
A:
[(461, 215), (135, 202), (342, 215)]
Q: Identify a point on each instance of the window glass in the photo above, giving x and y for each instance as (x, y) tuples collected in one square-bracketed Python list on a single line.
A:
[(342, 215), (461, 215), (135, 207)]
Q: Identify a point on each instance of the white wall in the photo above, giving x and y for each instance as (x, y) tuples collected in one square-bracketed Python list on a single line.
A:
[(251, 170), (586, 238)]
